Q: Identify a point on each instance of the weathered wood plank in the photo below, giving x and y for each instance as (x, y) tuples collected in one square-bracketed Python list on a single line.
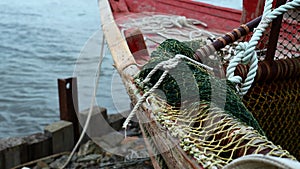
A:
[(121, 54), (62, 136), (39, 145), (98, 117), (13, 151), (126, 66)]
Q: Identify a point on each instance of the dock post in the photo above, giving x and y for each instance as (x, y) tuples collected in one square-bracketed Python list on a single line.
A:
[(68, 103)]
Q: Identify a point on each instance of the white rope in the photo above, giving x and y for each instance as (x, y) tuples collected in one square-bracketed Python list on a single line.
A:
[(194, 61), (246, 53), (142, 99), (165, 25), (167, 66), (154, 23), (91, 106)]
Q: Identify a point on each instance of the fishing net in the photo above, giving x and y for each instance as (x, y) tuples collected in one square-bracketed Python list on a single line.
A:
[(212, 130), (156, 28), (276, 107), (274, 101), (287, 45), (217, 126), (185, 76)]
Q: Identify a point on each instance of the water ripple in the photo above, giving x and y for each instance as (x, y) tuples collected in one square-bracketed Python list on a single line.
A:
[(40, 42)]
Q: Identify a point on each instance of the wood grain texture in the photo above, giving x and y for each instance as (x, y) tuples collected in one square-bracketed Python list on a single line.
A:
[(119, 50)]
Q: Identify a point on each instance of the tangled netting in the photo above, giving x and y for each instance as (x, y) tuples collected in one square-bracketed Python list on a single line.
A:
[(180, 80), (276, 103), (276, 106), (288, 43), (213, 127), (212, 136)]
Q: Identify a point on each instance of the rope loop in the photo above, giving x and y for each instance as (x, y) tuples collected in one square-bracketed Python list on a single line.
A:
[(245, 58), (245, 52)]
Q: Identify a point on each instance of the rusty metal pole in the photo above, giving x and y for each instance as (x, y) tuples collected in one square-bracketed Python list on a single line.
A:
[(68, 103), (274, 34)]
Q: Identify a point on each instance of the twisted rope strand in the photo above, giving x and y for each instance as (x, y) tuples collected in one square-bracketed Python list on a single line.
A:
[(246, 53), (143, 98)]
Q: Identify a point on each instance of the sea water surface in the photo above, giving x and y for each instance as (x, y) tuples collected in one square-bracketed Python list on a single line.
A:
[(40, 41)]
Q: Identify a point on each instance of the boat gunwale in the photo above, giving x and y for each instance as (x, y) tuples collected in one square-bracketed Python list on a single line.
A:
[(210, 7), (127, 72)]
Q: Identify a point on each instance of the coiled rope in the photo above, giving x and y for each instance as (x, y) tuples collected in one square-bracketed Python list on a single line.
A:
[(167, 25), (246, 53)]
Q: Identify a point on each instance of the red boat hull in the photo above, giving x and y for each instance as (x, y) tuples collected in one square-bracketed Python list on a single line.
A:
[(218, 19)]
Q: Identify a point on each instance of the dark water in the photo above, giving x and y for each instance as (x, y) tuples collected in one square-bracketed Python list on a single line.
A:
[(40, 41)]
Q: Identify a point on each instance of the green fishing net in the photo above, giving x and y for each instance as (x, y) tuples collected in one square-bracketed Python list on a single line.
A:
[(188, 76), (203, 111)]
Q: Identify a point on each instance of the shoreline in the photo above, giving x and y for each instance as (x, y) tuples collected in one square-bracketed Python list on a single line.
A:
[(51, 148)]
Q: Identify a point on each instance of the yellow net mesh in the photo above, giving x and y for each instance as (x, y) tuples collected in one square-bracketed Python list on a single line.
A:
[(213, 137), (276, 106)]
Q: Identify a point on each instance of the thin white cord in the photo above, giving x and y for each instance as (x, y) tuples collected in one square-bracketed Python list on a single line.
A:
[(142, 99), (91, 106), (195, 62), (166, 65)]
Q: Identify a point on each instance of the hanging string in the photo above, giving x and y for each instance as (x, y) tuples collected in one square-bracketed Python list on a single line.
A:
[(93, 98)]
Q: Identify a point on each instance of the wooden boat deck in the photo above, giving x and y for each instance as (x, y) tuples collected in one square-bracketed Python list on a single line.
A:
[(128, 64), (219, 19)]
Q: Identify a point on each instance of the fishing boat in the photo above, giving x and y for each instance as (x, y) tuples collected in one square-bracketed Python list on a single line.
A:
[(212, 136)]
